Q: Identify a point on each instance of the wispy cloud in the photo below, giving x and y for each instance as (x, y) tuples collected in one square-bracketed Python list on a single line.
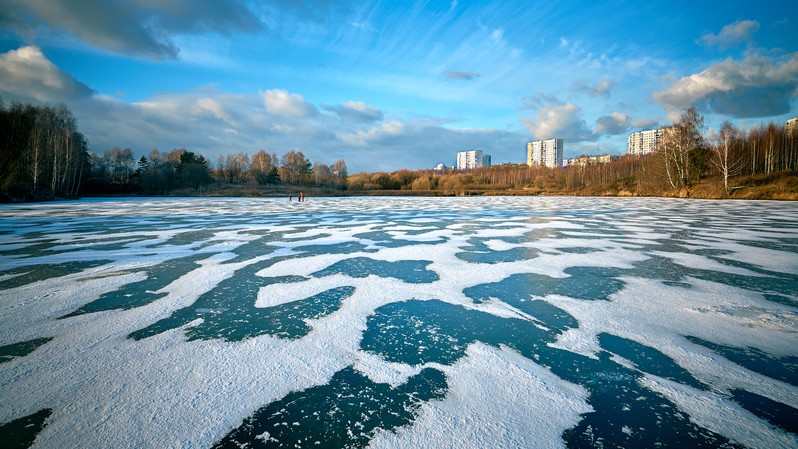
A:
[(458, 75), (537, 100)]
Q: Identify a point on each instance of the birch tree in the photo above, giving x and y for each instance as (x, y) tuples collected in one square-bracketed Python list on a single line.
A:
[(727, 156), (682, 142)]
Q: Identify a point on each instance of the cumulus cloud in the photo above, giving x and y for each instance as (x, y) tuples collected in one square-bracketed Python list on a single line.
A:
[(458, 75), (214, 123), (137, 27), (204, 120), (356, 111), (559, 121), (613, 124), (731, 35), (758, 86), (282, 103), (27, 75)]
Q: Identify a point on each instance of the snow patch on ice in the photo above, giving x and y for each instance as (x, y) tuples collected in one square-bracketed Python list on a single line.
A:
[(498, 399), (721, 415), (276, 294)]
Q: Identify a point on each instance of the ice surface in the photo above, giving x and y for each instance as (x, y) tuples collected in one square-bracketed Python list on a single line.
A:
[(556, 321), (512, 409)]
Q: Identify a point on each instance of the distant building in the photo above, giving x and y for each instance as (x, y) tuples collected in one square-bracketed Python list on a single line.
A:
[(645, 142), (440, 169), (546, 153), (791, 126), (469, 160), (583, 161)]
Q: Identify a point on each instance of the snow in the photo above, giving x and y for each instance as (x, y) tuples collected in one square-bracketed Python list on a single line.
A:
[(497, 399), (722, 415), (107, 390)]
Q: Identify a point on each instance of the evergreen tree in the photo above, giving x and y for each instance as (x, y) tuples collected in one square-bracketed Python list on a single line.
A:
[(193, 171)]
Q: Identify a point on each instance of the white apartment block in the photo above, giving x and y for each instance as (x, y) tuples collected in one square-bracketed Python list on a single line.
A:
[(644, 142), (546, 153), (791, 126), (469, 160), (583, 161)]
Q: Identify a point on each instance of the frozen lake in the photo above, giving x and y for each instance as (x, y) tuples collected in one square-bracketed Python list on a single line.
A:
[(399, 323)]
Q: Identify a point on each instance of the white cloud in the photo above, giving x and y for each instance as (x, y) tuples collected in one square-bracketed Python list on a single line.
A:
[(731, 35), (757, 86), (213, 123), (161, 122), (559, 121), (282, 103), (26, 74)]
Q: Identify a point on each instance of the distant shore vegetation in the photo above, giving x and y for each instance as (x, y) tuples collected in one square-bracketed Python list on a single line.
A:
[(43, 156)]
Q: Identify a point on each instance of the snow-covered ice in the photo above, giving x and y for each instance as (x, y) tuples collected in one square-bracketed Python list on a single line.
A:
[(399, 322)]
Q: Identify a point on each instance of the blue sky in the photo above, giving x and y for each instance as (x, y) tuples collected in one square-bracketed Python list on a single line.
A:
[(391, 85)]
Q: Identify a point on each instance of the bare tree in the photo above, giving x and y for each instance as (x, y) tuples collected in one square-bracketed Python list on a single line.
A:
[(236, 167), (264, 168), (728, 158), (339, 173), (681, 147), (294, 167), (322, 174)]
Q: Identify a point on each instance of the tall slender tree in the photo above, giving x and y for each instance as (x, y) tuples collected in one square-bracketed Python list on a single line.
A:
[(728, 159)]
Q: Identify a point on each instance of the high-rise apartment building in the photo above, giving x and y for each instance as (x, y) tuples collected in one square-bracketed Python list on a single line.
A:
[(584, 161), (644, 142), (791, 126), (469, 160), (546, 153)]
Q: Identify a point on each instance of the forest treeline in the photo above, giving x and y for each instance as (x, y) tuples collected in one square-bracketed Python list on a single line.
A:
[(691, 161), (42, 153), (117, 171), (43, 156)]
